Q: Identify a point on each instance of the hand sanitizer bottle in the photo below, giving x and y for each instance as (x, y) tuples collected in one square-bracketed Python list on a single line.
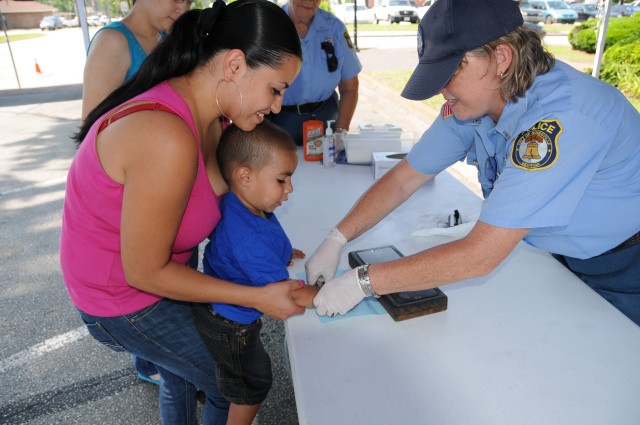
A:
[(329, 147)]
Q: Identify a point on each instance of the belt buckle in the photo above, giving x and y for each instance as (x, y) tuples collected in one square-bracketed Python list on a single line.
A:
[(298, 108)]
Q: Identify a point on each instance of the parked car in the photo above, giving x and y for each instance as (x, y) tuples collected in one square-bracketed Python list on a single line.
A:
[(104, 20), (625, 9), (51, 22), (345, 13), (529, 14), (585, 11), (555, 11), (613, 12), (93, 20), (395, 11), (73, 22), (422, 10)]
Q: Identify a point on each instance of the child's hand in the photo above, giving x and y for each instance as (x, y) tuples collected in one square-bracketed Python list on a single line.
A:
[(304, 295), (296, 253)]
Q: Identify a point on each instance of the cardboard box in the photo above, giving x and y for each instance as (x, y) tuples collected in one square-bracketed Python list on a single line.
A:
[(360, 146), (381, 162)]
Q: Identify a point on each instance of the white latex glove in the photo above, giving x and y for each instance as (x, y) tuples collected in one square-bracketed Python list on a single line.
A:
[(339, 137), (339, 295), (324, 262)]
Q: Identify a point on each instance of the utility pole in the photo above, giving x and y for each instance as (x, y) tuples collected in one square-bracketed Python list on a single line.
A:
[(355, 24), (4, 28)]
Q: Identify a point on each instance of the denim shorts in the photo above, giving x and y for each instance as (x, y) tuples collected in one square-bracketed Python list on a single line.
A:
[(243, 365)]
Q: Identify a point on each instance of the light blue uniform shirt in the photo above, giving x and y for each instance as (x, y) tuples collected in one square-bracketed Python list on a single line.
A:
[(568, 159), (314, 82)]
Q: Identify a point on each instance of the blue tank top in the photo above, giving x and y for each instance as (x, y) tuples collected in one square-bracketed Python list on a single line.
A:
[(137, 53)]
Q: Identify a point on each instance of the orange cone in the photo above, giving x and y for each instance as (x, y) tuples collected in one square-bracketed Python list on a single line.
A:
[(38, 70)]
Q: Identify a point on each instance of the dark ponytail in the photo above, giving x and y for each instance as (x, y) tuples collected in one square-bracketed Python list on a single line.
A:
[(260, 28)]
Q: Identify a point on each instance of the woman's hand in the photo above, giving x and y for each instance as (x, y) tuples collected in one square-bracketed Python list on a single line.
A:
[(276, 302)]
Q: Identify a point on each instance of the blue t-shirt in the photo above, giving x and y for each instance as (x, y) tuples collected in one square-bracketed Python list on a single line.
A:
[(315, 83), (565, 159), (246, 249)]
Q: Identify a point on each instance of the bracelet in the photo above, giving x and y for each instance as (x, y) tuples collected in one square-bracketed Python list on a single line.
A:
[(365, 283), (342, 130)]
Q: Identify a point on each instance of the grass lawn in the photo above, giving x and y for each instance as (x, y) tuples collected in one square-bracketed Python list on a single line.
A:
[(406, 26), (568, 54), (385, 26), (397, 79), (16, 37)]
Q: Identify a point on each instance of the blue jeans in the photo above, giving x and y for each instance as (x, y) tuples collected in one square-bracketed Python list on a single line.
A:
[(143, 367), (164, 334)]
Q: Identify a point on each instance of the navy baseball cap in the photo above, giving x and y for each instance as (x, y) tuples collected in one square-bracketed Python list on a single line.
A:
[(451, 28)]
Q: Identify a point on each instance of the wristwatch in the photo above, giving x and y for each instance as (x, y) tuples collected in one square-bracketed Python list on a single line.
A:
[(365, 283)]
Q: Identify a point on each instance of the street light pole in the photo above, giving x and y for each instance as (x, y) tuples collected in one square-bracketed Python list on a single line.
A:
[(355, 24)]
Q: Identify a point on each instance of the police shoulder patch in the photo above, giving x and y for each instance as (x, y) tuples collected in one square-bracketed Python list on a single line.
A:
[(446, 111), (537, 148), (348, 39)]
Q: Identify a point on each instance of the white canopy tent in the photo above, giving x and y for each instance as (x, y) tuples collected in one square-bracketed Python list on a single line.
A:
[(601, 32), (82, 19)]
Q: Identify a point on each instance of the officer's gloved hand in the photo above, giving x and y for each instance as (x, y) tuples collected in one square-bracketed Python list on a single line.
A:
[(339, 137), (324, 261), (339, 295)]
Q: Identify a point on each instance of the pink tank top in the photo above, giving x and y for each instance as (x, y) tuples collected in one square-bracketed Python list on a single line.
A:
[(90, 240)]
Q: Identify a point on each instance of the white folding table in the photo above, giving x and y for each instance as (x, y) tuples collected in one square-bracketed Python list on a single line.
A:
[(527, 344)]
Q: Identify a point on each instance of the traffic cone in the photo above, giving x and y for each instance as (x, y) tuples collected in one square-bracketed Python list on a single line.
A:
[(38, 70)]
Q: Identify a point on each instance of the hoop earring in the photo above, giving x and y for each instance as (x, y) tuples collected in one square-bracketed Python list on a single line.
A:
[(218, 102)]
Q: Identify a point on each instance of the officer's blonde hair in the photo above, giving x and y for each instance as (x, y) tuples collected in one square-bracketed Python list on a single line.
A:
[(529, 60)]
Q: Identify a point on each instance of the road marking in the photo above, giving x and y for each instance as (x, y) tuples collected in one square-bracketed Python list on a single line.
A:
[(43, 348)]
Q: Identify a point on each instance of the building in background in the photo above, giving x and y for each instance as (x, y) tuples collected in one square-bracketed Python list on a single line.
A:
[(24, 14)]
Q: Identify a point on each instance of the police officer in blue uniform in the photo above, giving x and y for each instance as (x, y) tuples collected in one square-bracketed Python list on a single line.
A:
[(558, 155), (329, 62)]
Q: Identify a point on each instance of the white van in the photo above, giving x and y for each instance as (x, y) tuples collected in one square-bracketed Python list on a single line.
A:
[(422, 10), (396, 11)]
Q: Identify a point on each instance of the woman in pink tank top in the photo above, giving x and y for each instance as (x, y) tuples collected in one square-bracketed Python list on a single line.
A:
[(143, 190)]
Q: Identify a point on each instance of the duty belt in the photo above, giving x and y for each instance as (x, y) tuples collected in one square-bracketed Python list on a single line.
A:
[(629, 242), (303, 109)]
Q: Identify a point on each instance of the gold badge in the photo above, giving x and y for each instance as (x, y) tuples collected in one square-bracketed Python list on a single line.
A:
[(537, 148), (348, 39)]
